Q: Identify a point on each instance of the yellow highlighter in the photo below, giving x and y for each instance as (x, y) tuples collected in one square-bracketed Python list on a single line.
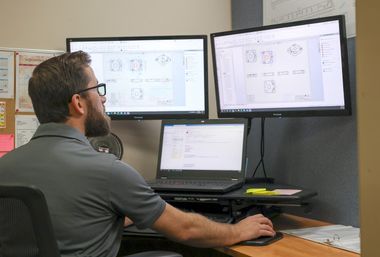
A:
[(260, 191)]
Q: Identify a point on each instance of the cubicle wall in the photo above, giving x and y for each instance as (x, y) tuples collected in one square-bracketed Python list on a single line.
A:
[(318, 153)]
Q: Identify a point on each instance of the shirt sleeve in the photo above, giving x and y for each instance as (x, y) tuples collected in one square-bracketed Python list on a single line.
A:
[(131, 196)]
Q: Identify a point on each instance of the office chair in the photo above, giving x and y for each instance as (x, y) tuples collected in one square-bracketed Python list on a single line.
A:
[(26, 229)]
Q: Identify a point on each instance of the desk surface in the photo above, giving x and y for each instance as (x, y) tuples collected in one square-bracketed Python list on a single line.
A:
[(289, 245)]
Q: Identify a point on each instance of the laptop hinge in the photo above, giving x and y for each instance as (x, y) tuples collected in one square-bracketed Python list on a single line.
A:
[(234, 179)]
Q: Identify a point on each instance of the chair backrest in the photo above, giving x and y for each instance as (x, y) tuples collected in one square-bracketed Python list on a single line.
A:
[(26, 229), (25, 225)]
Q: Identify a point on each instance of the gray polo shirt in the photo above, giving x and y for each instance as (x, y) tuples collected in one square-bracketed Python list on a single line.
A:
[(88, 193)]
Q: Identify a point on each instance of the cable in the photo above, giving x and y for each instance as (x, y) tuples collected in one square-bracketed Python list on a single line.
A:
[(262, 150)]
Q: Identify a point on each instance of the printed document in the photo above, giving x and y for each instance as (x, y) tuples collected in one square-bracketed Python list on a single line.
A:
[(340, 236)]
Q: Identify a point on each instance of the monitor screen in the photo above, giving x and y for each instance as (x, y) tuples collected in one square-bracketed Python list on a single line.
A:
[(155, 77), (290, 69), (202, 146)]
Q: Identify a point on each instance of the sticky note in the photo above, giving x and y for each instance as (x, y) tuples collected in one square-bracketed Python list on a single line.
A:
[(260, 191), (6, 142)]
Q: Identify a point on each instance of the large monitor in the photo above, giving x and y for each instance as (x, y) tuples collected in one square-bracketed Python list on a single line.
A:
[(290, 69), (156, 77)]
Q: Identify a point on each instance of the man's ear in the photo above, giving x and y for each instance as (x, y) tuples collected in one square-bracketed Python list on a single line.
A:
[(77, 105)]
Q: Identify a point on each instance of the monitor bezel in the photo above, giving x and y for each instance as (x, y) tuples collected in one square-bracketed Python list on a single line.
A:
[(164, 114), (290, 112)]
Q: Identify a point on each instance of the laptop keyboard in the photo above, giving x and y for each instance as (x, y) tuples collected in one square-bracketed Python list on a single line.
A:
[(198, 183)]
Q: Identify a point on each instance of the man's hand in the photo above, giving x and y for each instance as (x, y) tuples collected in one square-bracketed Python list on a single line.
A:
[(253, 227)]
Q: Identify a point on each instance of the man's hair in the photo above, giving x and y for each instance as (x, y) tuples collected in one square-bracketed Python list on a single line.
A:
[(54, 82)]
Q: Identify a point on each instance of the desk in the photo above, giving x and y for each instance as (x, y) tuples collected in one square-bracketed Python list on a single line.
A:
[(238, 200), (234, 205), (289, 246), (239, 195)]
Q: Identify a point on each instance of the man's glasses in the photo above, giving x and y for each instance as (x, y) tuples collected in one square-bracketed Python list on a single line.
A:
[(101, 88)]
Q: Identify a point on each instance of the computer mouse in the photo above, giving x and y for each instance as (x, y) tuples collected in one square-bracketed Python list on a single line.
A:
[(263, 240)]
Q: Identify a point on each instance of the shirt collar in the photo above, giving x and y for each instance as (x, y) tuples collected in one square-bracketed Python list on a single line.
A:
[(60, 130)]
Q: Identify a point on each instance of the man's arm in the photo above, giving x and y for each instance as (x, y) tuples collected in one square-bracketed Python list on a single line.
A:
[(196, 230)]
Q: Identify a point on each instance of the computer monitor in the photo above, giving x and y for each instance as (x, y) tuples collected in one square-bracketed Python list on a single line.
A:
[(155, 77), (290, 69)]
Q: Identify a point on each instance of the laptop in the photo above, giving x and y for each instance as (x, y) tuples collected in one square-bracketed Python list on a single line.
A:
[(206, 156)]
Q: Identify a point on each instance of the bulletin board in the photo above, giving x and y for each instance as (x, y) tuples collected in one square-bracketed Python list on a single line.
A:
[(17, 119)]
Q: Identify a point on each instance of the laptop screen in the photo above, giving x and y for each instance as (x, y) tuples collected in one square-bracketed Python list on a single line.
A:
[(203, 145)]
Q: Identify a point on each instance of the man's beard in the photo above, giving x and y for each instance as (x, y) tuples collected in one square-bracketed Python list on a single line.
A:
[(96, 124)]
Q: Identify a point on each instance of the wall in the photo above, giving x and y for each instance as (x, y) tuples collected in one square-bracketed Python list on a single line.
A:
[(368, 41), (318, 153), (45, 24)]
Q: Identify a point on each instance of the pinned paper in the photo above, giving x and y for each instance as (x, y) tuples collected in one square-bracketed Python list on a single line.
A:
[(6, 74), (2, 115), (6, 143), (25, 126)]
